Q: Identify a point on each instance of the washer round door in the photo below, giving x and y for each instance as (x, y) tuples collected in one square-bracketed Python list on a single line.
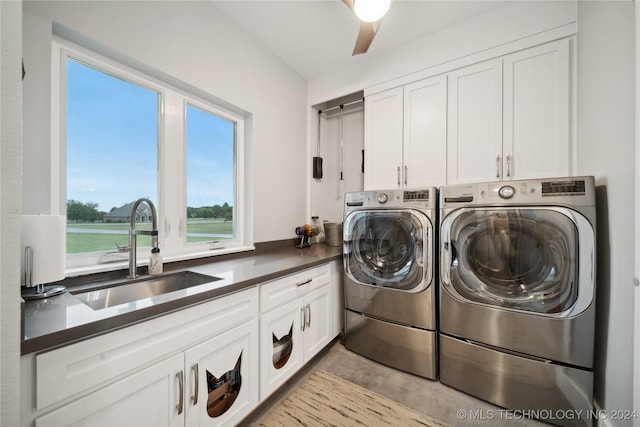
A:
[(532, 259), (389, 249)]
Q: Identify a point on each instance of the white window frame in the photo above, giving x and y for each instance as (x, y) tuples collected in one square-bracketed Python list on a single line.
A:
[(172, 151)]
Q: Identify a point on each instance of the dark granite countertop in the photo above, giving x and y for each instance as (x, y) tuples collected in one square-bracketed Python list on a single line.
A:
[(64, 319)]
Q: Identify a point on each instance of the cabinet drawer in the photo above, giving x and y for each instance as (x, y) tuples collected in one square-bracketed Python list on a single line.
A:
[(79, 367), (288, 288)]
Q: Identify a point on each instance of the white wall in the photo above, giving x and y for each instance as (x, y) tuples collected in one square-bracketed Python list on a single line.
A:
[(636, 323), (10, 196), (327, 194), (606, 135), (605, 140), (506, 24), (189, 41)]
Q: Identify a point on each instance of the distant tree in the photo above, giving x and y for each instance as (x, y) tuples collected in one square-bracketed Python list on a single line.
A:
[(216, 211), (83, 212)]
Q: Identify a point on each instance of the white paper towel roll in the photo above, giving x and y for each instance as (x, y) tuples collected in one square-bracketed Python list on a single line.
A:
[(46, 234)]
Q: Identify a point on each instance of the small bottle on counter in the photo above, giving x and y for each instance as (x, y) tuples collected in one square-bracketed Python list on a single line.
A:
[(155, 262)]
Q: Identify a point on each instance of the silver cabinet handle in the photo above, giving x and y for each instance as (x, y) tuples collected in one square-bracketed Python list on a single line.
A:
[(194, 398), (398, 176), (498, 165), (180, 404), (406, 174), (308, 315), (167, 226), (302, 319), (508, 164), (304, 282)]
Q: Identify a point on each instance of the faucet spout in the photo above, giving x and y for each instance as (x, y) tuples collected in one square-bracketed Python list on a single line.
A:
[(133, 233)]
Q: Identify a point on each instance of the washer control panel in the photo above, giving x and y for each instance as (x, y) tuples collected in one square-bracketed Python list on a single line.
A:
[(389, 199)]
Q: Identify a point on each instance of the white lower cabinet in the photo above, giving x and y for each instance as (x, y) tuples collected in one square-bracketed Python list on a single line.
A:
[(281, 352), (208, 365), (221, 385), (211, 384), (146, 398), (296, 330)]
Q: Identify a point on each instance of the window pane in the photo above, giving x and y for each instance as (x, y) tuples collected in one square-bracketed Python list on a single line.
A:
[(112, 157), (210, 176)]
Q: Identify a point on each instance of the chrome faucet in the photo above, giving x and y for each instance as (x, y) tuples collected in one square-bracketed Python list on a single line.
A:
[(133, 271)]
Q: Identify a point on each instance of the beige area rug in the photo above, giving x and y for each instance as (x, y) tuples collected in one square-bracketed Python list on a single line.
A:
[(324, 399)]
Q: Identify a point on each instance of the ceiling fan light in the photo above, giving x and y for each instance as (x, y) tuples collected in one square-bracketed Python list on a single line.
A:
[(370, 10)]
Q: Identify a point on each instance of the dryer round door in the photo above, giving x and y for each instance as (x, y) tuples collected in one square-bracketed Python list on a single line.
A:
[(536, 260), (388, 249)]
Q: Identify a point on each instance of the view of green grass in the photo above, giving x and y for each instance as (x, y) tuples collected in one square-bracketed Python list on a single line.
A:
[(80, 237)]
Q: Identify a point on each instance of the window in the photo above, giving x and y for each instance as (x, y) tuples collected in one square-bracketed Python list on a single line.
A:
[(210, 171), (112, 157), (125, 135)]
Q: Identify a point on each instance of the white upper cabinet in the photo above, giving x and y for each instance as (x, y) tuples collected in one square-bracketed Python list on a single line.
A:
[(405, 136), (510, 118), (475, 123), (425, 133), (383, 140), (537, 111)]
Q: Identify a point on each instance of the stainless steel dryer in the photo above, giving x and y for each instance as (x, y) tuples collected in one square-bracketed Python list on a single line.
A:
[(517, 297), (390, 291)]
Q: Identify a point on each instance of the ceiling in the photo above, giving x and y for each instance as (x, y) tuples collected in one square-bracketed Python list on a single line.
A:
[(316, 37)]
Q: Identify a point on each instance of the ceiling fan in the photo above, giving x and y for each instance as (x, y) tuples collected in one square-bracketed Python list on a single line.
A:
[(370, 13)]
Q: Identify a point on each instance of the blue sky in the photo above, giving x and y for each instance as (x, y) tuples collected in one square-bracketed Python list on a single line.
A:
[(112, 144)]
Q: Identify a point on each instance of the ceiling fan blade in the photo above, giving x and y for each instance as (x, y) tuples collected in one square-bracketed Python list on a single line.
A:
[(349, 3), (365, 37)]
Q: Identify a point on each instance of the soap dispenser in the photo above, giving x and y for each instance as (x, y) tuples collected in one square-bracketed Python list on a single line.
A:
[(155, 261)]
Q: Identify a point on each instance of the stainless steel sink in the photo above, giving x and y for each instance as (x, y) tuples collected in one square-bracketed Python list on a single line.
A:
[(141, 288)]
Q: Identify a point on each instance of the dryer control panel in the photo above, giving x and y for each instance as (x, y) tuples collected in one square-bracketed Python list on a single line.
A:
[(557, 191)]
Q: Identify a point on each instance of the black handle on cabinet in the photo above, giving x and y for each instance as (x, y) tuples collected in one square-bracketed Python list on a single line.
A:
[(304, 282)]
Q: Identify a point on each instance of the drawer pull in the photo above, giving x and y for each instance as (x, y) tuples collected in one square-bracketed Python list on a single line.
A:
[(194, 398), (304, 282), (180, 404)]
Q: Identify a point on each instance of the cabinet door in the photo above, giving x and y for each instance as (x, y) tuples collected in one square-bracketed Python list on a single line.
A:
[(537, 110), (383, 140), (147, 398), (318, 322), (337, 298), (221, 385), (281, 345), (474, 141), (425, 133)]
